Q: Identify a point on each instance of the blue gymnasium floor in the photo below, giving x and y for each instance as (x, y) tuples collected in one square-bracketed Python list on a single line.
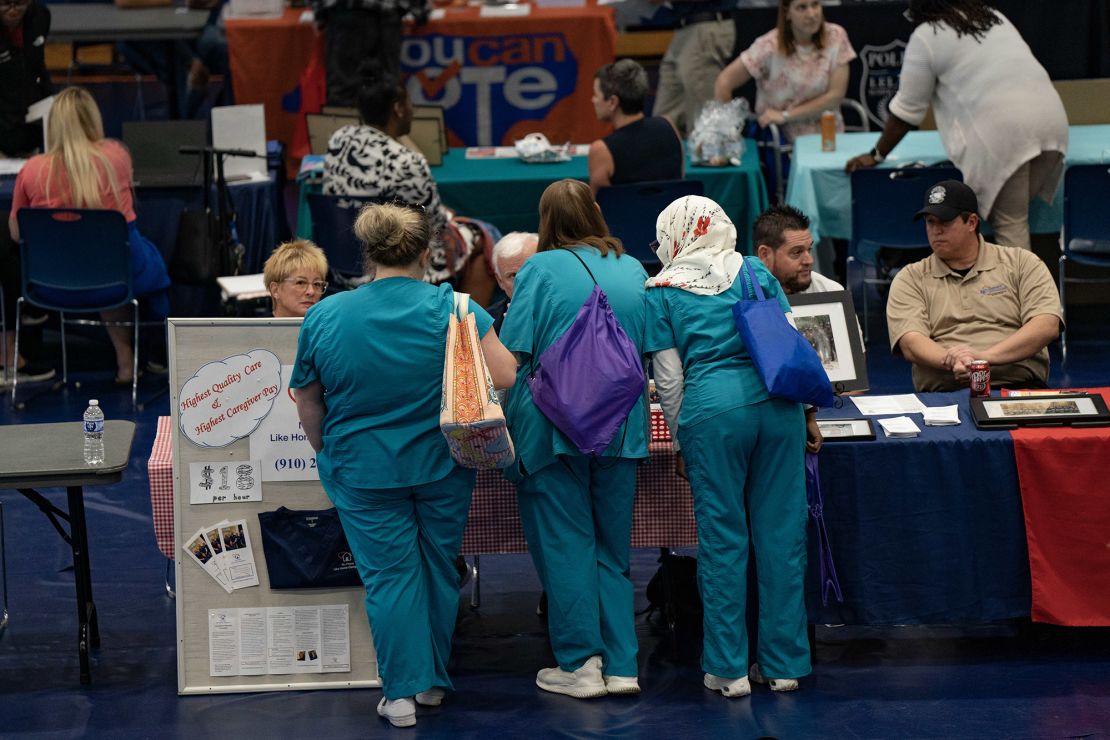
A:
[(993, 681)]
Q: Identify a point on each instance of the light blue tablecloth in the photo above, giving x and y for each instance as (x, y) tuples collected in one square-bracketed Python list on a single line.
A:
[(821, 189)]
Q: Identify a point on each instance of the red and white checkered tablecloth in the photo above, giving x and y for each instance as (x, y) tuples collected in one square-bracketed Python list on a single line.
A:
[(663, 515), (160, 470)]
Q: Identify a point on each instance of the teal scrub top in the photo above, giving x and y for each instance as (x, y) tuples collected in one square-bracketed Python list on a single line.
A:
[(549, 290), (378, 351), (717, 370)]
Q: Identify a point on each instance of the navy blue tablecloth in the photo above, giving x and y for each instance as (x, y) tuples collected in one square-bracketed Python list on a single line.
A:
[(927, 530)]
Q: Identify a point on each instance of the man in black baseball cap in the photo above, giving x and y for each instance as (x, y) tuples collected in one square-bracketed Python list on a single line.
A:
[(971, 300), (948, 199)]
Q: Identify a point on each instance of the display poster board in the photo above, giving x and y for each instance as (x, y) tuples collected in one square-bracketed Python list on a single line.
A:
[(237, 452)]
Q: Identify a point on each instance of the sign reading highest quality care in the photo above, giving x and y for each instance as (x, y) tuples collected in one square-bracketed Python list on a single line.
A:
[(227, 399)]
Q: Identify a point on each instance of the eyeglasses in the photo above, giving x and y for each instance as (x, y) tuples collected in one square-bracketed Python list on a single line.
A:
[(300, 284)]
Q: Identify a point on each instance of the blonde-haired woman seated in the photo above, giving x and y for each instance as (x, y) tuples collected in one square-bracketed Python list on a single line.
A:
[(83, 169), (370, 409), (296, 275)]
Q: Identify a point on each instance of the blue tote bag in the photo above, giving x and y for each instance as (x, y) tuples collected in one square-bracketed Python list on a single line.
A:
[(587, 381), (787, 362)]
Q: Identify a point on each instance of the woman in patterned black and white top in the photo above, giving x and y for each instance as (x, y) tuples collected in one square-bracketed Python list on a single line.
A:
[(368, 160)]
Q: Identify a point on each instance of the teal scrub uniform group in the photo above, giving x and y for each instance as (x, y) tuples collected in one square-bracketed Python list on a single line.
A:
[(576, 511), (378, 351), (744, 457)]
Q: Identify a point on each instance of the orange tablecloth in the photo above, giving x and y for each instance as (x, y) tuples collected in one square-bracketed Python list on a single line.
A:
[(1065, 491), (496, 78)]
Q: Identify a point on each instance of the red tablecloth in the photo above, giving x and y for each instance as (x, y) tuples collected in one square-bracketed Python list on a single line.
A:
[(1065, 491), (663, 515), (496, 78), (159, 468)]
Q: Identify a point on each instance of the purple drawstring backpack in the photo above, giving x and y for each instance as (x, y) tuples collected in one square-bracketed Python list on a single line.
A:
[(588, 380)]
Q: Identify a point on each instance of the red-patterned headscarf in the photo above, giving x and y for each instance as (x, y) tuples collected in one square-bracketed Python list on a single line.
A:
[(697, 246)]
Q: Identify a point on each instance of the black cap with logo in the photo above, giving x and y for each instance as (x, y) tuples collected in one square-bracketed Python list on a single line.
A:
[(948, 199)]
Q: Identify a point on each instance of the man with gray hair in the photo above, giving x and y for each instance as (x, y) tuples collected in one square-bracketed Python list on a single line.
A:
[(509, 255), (640, 148)]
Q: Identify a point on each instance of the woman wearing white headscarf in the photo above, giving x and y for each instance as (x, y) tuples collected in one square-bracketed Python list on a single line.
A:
[(743, 449)]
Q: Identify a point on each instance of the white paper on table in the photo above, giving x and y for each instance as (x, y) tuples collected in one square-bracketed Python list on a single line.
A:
[(11, 166), (899, 426), (907, 403), (200, 552), (279, 441), (510, 152), (241, 127), (225, 482), (942, 416), (503, 11)]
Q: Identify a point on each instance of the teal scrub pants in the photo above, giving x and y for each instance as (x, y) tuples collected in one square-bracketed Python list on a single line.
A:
[(746, 465), (405, 541), (577, 518)]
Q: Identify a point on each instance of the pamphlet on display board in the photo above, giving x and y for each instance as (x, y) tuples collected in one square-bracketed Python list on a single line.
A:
[(279, 640), (224, 551)]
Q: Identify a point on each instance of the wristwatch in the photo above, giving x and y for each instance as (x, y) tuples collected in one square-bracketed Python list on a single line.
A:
[(876, 156)]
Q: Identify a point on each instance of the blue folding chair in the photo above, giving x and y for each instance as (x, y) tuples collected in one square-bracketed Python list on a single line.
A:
[(333, 219), (76, 261), (1085, 236), (630, 211), (883, 203)]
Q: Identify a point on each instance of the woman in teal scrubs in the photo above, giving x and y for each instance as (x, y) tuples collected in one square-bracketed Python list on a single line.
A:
[(369, 374), (743, 449), (577, 510)]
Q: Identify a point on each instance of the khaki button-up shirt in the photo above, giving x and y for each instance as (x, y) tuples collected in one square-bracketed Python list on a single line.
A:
[(1003, 290)]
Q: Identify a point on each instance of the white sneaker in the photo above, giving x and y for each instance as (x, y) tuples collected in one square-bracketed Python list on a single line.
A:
[(733, 688), (585, 683), (433, 697), (400, 712), (777, 684), (622, 684)]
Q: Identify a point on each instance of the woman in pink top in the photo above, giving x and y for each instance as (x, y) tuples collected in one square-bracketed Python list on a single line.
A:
[(800, 70), (82, 169)]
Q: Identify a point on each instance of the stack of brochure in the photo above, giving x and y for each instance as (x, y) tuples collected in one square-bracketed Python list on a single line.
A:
[(942, 416), (899, 426), (224, 551)]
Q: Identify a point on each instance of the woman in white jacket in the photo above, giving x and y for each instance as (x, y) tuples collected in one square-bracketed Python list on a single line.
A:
[(1000, 118)]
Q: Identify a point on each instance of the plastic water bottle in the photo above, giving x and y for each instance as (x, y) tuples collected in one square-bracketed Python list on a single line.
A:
[(94, 433)]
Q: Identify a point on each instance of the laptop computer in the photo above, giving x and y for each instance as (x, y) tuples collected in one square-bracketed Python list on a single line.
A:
[(155, 157)]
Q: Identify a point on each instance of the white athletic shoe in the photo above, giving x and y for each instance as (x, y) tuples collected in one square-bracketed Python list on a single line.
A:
[(777, 684), (585, 683), (622, 684), (400, 712), (433, 697), (733, 688)]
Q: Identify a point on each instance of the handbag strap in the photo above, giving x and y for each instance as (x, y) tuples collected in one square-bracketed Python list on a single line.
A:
[(756, 288)]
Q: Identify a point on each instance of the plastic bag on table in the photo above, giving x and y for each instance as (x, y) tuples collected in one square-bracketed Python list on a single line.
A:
[(717, 139)]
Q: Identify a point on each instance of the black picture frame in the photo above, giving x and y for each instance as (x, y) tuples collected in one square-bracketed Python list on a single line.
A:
[(828, 321), (846, 430), (1055, 410)]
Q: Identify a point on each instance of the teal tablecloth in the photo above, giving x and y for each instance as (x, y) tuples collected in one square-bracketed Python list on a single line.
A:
[(506, 192), (821, 189)]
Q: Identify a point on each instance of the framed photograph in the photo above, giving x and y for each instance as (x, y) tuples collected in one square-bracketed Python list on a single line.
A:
[(1077, 410), (828, 321), (846, 430)]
